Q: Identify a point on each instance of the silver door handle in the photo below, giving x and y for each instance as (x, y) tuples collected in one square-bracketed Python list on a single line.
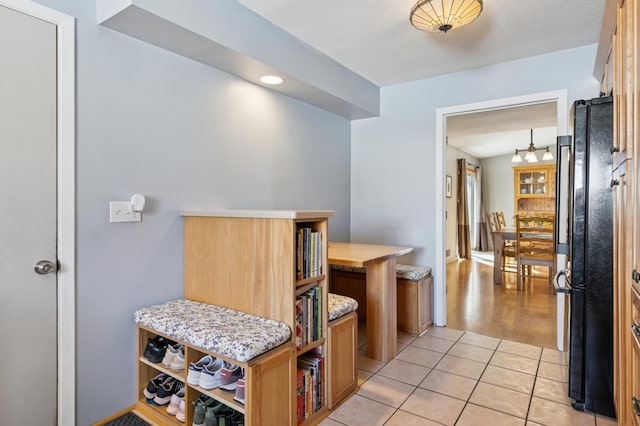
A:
[(44, 267), (564, 288)]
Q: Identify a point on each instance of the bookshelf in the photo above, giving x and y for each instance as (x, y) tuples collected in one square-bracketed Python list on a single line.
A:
[(268, 263)]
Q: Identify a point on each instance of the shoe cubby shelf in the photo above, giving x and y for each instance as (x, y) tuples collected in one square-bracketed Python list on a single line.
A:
[(263, 377)]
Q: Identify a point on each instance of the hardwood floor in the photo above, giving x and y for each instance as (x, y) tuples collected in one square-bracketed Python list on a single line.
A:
[(475, 303)]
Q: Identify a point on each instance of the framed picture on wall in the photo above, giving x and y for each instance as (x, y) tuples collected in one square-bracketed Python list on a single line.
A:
[(448, 186)]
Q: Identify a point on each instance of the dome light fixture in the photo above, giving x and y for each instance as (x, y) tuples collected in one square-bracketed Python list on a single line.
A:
[(444, 15)]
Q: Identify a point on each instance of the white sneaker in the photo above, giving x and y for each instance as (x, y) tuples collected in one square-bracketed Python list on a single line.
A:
[(195, 368), (177, 363), (170, 354), (175, 402), (180, 415), (210, 375)]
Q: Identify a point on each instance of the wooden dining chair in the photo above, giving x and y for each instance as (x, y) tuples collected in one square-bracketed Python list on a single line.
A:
[(492, 222), (508, 250), (500, 220), (508, 246), (534, 245)]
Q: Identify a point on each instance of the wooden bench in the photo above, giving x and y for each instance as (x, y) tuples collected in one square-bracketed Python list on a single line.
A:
[(262, 347), (415, 294), (342, 347)]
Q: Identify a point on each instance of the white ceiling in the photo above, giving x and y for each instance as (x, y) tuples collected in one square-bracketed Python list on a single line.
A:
[(376, 40), (498, 132)]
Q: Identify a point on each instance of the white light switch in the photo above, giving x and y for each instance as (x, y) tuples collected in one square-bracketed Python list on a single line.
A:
[(120, 211)]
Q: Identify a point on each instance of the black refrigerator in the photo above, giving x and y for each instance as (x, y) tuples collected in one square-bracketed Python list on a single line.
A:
[(590, 252)]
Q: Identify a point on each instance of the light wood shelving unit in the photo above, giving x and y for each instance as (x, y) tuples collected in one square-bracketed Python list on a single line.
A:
[(246, 260), (534, 189)]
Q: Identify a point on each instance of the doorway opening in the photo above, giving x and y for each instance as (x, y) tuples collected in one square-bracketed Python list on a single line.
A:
[(560, 99)]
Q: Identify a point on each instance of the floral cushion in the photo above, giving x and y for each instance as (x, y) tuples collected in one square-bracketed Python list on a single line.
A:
[(340, 305), (220, 330), (345, 268), (407, 272), (411, 272)]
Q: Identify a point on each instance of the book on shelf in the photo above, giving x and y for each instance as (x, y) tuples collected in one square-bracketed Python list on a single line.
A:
[(298, 322), (308, 321), (313, 364), (308, 253)]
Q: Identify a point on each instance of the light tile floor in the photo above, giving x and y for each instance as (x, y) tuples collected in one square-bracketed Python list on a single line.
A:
[(451, 377)]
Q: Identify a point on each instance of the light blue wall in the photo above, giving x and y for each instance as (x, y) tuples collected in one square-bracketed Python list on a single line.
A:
[(393, 156), (185, 136)]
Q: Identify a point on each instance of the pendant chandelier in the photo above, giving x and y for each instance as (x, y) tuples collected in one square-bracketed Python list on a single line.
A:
[(443, 15), (531, 153)]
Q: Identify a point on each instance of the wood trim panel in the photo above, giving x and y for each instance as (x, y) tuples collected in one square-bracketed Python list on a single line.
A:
[(241, 264)]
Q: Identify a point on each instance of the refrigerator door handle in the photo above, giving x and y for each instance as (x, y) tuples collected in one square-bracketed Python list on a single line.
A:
[(562, 288)]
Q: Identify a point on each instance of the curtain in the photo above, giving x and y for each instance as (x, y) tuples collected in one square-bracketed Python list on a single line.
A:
[(464, 239), (481, 234)]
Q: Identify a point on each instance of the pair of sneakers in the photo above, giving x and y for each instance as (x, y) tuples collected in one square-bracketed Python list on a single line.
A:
[(174, 357), (156, 348), (161, 388), (229, 376), (202, 404), (205, 373), (176, 406), (209, 412)]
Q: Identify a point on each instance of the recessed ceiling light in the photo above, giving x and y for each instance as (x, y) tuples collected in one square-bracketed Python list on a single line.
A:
[(271, 79)]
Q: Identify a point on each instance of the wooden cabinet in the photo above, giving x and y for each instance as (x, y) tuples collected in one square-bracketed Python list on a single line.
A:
[(342, 359), (617, 57), (534, 189), (634, 331), (415, 304), (622, 245), (247, 260)]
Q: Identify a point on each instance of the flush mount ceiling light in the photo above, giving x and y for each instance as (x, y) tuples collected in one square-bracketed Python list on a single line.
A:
[(271, 79), (531, 153), (443, 15)]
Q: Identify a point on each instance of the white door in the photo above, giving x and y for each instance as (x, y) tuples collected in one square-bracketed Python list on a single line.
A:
[(28, 233)]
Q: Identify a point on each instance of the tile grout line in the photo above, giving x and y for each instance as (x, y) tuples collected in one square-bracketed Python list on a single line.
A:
[(535, 381), (538, 360), (466, 403)]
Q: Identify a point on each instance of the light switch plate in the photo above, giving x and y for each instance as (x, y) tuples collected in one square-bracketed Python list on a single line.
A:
[(120, 211)]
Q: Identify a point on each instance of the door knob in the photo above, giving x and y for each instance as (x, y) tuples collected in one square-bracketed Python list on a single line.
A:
[(44, 267)]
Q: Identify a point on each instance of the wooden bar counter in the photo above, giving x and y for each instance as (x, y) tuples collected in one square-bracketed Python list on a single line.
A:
[(380, 264)]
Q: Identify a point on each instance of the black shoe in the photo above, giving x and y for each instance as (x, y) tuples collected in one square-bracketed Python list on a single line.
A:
[(152, 387), (155, 349), (166, 389)]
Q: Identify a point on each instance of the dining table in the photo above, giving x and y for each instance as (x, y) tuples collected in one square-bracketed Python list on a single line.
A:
[(379, 262)]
